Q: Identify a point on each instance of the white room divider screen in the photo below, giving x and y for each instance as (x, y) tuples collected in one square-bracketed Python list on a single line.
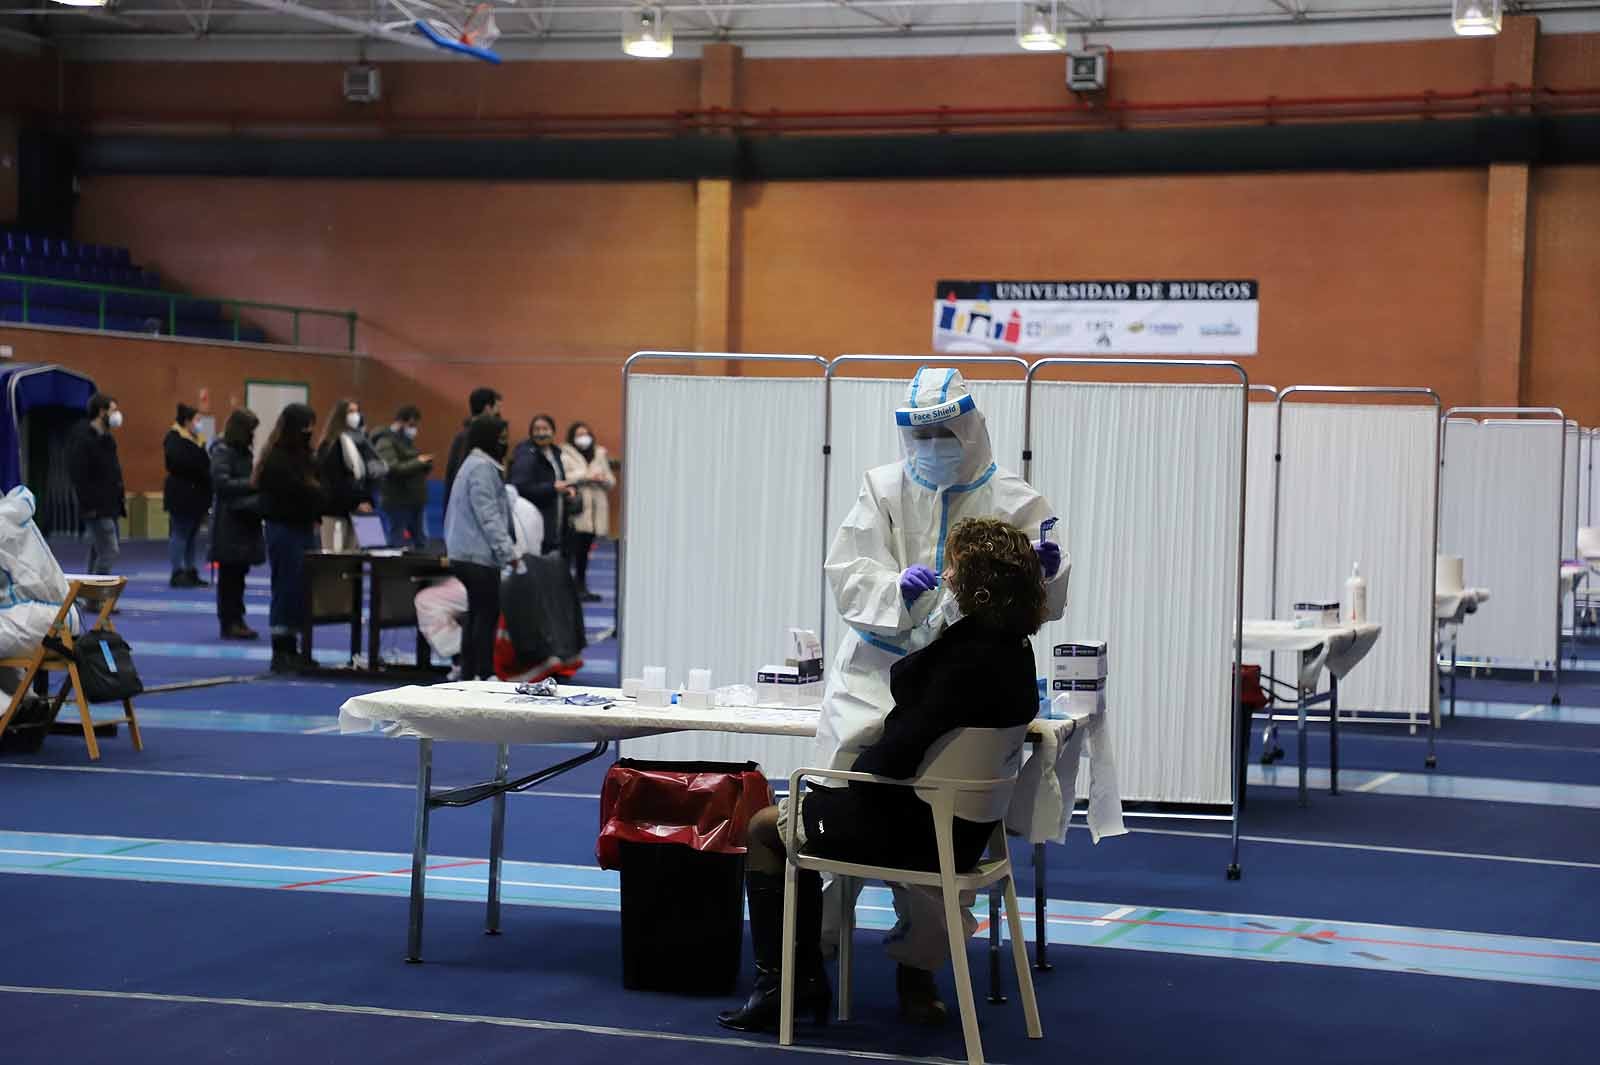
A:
[(723, 538), (1357, 484), (1147, 479), (1501, 510), (1258, 515)]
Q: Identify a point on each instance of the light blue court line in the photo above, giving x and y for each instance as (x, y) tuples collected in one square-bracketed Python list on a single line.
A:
[(1576, 715), (1283, 939), (1430, 786), (240, 721)]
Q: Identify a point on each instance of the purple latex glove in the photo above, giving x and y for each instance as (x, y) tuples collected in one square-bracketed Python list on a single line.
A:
[(1049, 558), (917, 581)]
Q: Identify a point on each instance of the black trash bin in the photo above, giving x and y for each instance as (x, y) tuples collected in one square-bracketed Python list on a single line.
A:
[(682, 919), (676, 831)]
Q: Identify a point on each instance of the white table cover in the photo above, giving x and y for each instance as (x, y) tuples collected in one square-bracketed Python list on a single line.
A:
[(1041, 806), (1453, 607), (1342, 647), (492, 712)]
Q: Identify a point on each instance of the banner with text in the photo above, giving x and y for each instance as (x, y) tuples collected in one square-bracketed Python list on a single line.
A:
[(1149, 317)]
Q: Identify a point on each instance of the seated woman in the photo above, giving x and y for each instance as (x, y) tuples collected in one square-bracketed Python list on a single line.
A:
[(979, 674)]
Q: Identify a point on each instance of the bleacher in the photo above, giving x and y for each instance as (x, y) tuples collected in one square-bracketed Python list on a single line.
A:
[(134, 301)]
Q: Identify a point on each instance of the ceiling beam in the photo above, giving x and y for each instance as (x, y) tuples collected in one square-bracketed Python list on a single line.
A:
[(356, 26)]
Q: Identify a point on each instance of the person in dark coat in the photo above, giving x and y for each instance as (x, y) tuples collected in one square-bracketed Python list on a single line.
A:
[(291, 505), (405, 487), (350, 470), (539, 471), (96, 475), (979, 673), (482, 401), (186, 494), (237, 542)]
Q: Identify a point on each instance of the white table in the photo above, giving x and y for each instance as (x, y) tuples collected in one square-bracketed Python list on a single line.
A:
[(1450, 609), (493, 712), (1336, 648)]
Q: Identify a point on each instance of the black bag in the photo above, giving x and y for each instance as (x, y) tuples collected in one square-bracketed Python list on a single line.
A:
[(105, 667), (29, 725), (544, 616)]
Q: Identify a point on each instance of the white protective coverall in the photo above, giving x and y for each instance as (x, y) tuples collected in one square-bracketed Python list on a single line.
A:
[(902, 519)]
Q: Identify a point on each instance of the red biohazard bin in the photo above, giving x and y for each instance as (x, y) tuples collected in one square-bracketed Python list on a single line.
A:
[(676, 831)]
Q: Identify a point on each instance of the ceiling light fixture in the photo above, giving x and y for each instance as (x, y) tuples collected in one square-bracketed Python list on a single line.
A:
[(1039, 27), (1475, 18), (646, 33)]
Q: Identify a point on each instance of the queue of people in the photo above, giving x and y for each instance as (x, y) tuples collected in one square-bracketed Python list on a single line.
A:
[(300, 492)]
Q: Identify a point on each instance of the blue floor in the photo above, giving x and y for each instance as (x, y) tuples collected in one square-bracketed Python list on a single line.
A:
[(153, 968)]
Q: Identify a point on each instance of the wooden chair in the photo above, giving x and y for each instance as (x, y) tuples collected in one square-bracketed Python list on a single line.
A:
[(94, 591)]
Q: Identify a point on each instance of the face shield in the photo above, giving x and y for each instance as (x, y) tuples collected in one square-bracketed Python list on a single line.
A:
[(943, 436)]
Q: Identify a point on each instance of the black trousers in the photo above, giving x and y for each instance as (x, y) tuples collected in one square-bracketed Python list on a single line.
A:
[(575, 548), (483, 615), (230, 592)]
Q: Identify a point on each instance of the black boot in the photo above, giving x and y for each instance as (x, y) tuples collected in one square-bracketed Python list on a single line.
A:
[(812, 995), (284, 660), (303, 658), (197, 581), (919, 997)]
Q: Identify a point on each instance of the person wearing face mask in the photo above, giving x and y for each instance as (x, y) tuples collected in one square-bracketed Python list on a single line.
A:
[(236, 537), (96, 475), (350, 471), (478, 540), (589, 471), (291, 502), (405, 488), (186, 494), (540, 474), (883, 566)]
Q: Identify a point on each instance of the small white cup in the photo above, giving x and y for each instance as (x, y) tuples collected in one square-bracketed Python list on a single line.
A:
[(630, 687), (654, 677), (699, 680)]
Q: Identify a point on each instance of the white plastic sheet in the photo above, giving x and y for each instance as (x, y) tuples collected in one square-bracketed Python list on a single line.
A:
[(1356, 486), (1146, 479), (1499, 511), (724, 537)]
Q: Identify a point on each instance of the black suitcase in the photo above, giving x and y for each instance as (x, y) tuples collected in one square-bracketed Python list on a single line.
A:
[(544, 616)]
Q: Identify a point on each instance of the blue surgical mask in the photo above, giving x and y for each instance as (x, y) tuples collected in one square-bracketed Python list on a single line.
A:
[(937, 461)]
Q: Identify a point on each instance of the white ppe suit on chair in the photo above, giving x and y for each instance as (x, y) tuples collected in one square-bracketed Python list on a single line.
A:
[(902, 518)]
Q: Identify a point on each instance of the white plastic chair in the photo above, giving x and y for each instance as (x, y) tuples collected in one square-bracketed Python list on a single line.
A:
[(969, 773)]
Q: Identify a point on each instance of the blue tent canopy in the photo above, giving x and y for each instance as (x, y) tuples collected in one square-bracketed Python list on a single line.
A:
[(25, 386)]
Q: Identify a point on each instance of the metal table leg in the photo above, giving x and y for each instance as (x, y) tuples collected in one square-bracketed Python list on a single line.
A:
[(1041, 942), (1300, 731), (497, 839), (419, 849), (1333, 734), (374, 615), (1453, 631), (997, 995)]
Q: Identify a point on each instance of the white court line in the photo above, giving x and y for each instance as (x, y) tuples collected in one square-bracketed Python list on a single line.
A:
[(462, 1018), (1115, 915), (1377, 782), (1531, 711), (384, 784), (140, 772), (1335, 844)]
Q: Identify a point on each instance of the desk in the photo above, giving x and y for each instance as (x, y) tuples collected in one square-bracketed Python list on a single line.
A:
[(1338, 648), (1450, 609), (334, 583), (493, 712)]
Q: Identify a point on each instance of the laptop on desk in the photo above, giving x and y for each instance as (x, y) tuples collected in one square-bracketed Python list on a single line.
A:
[(370, 537)]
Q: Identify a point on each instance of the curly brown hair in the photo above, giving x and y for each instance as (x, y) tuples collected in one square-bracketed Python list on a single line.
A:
[(995, 575)]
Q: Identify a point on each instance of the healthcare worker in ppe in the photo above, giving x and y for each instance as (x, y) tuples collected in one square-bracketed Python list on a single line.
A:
[(884, 565)]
